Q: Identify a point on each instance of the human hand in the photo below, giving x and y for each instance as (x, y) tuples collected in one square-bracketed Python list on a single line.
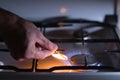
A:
[(25, 41)]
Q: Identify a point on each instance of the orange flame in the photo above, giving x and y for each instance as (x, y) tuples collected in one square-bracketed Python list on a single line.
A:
[(59, 55)]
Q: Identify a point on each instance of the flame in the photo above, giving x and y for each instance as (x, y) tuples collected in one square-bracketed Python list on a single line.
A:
[(59, 55)]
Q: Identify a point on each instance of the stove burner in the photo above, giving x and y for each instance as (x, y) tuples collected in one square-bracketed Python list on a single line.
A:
[(80, 34), (83, 60)]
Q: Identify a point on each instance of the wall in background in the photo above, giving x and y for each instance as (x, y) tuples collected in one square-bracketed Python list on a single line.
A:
[(41, 9), (118, 12)]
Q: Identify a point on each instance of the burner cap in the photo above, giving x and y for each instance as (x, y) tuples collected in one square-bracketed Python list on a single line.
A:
[(82, 60), (80, 34)]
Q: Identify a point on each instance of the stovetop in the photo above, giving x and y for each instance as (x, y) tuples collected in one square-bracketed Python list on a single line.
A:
[(89, 46)]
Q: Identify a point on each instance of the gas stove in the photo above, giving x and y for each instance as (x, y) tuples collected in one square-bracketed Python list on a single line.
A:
[(88, 49)]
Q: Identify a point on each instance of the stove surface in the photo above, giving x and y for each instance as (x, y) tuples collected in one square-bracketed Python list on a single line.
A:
[(59, 76), (86, 46)]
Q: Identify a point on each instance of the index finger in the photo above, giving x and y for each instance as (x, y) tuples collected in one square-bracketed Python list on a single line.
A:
[(42, 54), (47, 44)]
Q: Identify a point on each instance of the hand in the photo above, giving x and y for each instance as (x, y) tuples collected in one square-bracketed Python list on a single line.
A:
[(25, 41)]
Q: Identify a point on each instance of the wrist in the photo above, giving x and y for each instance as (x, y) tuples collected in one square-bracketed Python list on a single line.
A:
[(7, 18)]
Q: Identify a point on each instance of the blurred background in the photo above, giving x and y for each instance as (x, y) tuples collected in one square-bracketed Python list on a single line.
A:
[(41, 9)]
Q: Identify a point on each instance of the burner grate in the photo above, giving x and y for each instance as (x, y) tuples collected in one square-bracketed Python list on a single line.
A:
[(99, 68), (34, 68)]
